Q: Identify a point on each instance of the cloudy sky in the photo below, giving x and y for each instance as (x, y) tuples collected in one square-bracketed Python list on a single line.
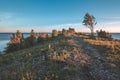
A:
[(45, 15)]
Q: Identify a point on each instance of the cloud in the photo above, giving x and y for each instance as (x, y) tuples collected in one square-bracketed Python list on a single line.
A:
[(109, 23), (68, 25), (108, 26), (110, 18), (113, 23), (5, 16), (78, 27)]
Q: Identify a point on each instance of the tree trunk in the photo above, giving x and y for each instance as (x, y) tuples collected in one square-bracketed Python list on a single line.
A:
[(92, 32)]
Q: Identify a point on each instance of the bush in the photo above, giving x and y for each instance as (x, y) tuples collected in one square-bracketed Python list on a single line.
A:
[(12, 47), (30, 41), (41, 40), (104, 34)]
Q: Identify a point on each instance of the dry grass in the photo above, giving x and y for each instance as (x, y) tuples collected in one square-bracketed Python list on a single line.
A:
[(70, 52), (108, 49), (114, 46), (101, 42)]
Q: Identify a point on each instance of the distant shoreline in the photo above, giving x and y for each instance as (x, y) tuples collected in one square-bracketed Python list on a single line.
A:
[(51, 32), (3, 44), (22, 32)]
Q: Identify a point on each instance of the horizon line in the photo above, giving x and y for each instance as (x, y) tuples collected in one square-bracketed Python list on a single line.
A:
[(51, 32)]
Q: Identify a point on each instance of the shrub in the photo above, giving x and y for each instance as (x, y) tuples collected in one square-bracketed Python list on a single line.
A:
[(104, 34), (12, 47), (30, 41)]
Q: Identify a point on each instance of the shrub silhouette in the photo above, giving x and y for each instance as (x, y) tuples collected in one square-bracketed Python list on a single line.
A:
[(12, 47), (104, 34), (15, 42), (39, 39), (30, 41)]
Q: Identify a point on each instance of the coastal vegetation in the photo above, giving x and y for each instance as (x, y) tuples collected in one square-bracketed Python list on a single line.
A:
[(18, 41), (62, 55), (52, 60), (59, 39), (103, 35), (89, 21), (110, 50)]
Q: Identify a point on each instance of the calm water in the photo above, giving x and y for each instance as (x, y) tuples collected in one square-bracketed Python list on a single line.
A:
[(5, 37), (116, 35)]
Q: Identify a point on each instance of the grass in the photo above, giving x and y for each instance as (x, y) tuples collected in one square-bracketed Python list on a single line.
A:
[(40, 62), (110, 50), (59, 58)]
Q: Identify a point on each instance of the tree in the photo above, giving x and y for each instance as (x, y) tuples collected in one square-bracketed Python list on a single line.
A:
[(32, 34), (31, 40), (89, 21), (103, 34)]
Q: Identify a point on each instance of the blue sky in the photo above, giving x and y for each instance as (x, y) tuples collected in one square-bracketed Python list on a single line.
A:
[(45, 15)]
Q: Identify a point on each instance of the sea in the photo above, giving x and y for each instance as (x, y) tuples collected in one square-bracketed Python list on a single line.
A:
[(5, 38)]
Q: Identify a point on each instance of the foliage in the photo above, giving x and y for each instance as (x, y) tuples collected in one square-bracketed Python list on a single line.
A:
[(42, 40), (30, 41), (104, 34), (12, 47)]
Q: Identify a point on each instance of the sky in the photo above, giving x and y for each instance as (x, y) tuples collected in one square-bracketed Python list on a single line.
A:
[(45, 15)]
